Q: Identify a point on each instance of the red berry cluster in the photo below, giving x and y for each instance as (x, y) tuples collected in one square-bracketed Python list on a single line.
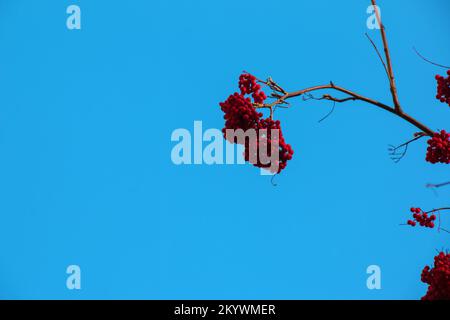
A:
[(240, 113), (439, 148), (443, 88), (248, 85), (422, 218), (269, 141), (438, 278)]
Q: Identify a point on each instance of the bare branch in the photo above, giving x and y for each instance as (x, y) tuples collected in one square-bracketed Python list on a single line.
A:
[(352, 96), (393, 87)]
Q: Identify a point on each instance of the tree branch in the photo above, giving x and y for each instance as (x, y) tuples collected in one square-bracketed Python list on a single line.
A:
[(353, 96), (393, 87)]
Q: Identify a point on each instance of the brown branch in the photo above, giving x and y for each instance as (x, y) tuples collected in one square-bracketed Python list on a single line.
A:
[(353, 96), (393, 86), (280, 95)]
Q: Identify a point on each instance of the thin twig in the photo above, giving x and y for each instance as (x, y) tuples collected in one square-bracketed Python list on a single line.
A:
[(329, 113), (436, 210), (438, 185), (379, 54), (272, 180), (429, 61), (396, 157)]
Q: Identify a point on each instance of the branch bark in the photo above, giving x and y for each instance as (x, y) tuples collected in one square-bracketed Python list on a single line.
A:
[(392, 84), (280, 95), (353, 96)]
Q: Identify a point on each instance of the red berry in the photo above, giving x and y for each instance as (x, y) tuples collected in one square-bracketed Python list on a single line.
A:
[(443, 88), (438, 150), (437, 278), (240, 113)]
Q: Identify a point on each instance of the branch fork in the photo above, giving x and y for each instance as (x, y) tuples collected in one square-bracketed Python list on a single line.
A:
[(281, 96)]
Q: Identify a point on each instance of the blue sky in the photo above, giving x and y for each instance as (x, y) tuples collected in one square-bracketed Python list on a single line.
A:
[(86, 176)]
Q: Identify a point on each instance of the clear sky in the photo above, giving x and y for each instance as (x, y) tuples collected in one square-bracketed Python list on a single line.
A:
[(86, 176)]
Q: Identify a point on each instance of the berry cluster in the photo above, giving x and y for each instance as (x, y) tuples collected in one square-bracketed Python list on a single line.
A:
[(269, 139), (443, 88), (422, 218), (240, 113), (439, 148), (438, 278), (248, 85)]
